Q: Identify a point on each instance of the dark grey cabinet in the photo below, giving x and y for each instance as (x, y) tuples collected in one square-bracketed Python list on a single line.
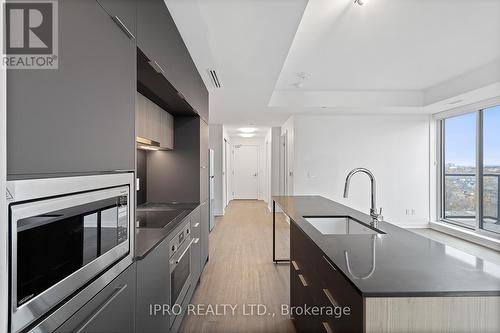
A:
[(153, 287), (316, 281), (111, 310), (196, 265), (204, 195), (123, 12), (80, 117), (204, 181), (204, 233), (160, 41), (204, 102)]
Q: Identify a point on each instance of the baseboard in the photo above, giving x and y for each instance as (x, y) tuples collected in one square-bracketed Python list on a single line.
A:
[(467, 235)]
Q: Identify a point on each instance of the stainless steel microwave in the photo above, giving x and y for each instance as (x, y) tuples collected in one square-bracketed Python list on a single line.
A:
[(63, 234)]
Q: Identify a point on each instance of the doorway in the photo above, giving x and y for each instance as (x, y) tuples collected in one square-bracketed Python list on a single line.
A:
[(225, 171), (245, 172), (283, 170)]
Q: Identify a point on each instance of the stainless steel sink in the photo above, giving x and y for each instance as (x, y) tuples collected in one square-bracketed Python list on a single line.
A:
[(340, 226)]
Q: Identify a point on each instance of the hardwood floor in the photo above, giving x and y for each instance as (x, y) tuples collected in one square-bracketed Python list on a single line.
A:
[(240, 272)]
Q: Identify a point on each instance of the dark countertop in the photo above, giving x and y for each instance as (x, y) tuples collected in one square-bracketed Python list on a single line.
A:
[(404, 265), (155, 221)]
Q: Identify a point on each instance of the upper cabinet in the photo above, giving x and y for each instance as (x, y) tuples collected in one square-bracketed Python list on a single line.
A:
[(160, 41), (154, 123), (123, 12), (80, 117)]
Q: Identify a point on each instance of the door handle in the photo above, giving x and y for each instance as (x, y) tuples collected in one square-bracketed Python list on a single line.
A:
[(303, 280), (330, 297), (156, 66), (123, 27), (327, 327), (184, 252)]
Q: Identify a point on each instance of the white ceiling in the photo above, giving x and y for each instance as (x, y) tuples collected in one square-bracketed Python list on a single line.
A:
[(404, 56)]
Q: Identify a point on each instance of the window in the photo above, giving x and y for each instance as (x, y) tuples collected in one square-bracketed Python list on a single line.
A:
[(460, 169), (491, 170), (470, 170)]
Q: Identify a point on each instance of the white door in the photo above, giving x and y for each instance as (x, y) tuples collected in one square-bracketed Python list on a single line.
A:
[(245, 168)]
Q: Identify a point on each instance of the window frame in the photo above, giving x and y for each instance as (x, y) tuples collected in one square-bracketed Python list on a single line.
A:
[(440, 149)]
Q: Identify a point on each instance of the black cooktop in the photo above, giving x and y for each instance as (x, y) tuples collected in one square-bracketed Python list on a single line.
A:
[(159, 215), (158, 219)]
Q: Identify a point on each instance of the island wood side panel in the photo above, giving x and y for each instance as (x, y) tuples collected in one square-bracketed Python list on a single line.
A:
[(432, 314)]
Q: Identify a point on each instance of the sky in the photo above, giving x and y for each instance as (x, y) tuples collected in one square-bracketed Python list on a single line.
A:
[(460, 138)]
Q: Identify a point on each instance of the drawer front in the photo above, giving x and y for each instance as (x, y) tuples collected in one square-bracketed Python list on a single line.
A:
[(337, 291), (326, 288), (111, 310)]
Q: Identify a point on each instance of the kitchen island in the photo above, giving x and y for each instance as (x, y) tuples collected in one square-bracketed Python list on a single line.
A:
[(386, 280)]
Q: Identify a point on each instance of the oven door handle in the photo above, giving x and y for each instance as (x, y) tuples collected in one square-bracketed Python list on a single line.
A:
[(110, 299), (184, 252)]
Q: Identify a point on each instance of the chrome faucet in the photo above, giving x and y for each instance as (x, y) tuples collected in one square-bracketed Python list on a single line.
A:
[(376, 216)]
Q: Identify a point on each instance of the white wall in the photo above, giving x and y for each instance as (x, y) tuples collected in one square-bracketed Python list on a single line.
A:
[(288, 129), (216, 142), (394, 148)]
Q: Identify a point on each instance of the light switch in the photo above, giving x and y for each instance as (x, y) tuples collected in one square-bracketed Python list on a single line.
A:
[(137, 184)]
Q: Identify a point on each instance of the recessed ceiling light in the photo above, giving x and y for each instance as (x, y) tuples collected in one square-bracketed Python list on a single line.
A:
[(361, 2), (247, 129), (247, 135)]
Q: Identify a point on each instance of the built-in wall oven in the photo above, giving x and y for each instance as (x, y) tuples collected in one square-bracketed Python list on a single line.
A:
[(64, 232), (180, 267)]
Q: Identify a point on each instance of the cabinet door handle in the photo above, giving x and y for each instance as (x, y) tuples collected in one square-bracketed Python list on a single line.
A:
[(329, 295), (110, 299), (327, 327), (196, 225), (329, 263), (295, 266), (123, 27), (156, 66), (303, 280)]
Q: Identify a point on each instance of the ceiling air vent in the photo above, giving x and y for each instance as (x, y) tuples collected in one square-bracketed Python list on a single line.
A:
[(214, 78)]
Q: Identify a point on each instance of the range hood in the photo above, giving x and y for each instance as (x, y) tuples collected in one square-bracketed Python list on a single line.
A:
[(147, 144)]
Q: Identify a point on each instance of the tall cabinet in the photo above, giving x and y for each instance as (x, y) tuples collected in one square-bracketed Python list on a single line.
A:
[(204, 196), (80, 117)]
